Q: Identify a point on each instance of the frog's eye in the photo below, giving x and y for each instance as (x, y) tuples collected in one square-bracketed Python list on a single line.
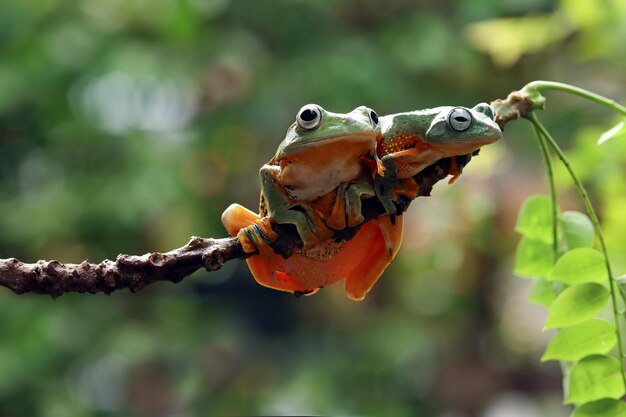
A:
[(486, 109), (309, 117), (374, 118), (460, 119)]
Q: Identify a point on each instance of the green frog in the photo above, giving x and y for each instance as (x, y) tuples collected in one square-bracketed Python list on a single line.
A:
[(412, 141)]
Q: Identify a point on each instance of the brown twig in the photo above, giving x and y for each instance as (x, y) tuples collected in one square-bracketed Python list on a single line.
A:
[(135, 272), (127, 271), (518, 104)]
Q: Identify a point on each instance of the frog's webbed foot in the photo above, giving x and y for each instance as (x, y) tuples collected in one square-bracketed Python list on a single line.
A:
[(257, 235), (254, 233)]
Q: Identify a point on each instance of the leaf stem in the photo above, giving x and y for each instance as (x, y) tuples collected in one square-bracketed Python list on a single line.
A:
[(597, 98), (555, 211), (596, 224)]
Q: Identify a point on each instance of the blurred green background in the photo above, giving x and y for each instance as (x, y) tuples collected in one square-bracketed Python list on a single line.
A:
[(129, 125)]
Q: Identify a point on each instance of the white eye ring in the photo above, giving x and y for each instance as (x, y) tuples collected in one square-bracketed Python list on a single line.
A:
[(309, 117), (374, 117), (460, 119)]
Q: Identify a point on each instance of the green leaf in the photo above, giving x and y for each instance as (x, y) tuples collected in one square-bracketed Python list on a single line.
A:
[(587, 338), (602, 408), (533, 258), (545, 292), (579, 266), (577, 304), (577, 229), (535, 218), (614, 132), (595, 378)]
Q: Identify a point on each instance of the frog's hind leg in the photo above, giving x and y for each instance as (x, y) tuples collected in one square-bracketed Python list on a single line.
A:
[(266, 265), (310, 226), (372, 249)]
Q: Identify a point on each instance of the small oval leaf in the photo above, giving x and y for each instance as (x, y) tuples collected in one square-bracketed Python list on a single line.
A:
[(579, 266), (577, 230), (595, 378), (535, 218), (545, 292), (577, 304), (616, 131), (533, 258), (590, 337), (601, 408)]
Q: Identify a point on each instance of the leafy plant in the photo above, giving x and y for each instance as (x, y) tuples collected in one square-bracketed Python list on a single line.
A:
[(574, 280)]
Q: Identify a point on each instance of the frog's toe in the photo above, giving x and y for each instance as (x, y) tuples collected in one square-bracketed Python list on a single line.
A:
[(236, 217), (265, 229), (355, 220)]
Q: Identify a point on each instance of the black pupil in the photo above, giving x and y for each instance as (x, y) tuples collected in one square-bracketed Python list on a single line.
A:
[(308, 115), (374, 117), (460, 119)]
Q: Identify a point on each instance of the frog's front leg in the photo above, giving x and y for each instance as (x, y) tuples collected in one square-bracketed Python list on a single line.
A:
[(395, 168), (384, 181), (354, 194), (280, 208)]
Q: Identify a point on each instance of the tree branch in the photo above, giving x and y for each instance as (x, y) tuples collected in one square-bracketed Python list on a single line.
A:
[(135, 272), (128, 271), (518, 104)]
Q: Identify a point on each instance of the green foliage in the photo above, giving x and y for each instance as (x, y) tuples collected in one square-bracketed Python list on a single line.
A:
[(587, 338), (578, 266), (617, 131), (533, 258), (535, 218), (544, 292), (577, 230), (575, 289), (601, 408), (594, 378), (577, 304)]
